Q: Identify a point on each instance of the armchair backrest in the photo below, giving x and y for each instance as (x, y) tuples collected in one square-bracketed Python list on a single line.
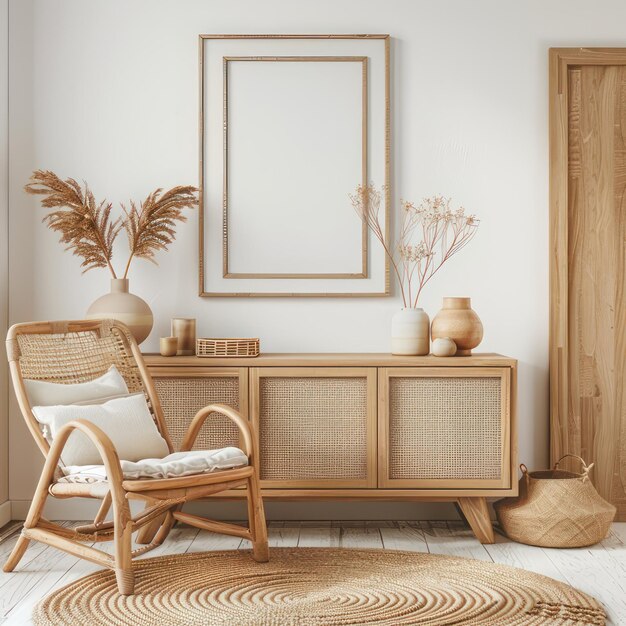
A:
[(76, 352)]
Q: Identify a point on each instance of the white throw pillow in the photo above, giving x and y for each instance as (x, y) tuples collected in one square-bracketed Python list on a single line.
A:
[(104, 400), (41, 393), (127, 421)]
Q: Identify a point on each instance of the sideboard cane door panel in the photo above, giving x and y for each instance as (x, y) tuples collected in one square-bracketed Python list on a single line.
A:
[(316, 426), (184, 391), (444, 427)]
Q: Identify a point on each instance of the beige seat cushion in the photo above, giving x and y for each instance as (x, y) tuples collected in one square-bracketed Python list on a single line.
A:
[(174, 465)]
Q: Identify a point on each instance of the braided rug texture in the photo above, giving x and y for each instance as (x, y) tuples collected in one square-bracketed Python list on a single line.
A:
[(320, 587)]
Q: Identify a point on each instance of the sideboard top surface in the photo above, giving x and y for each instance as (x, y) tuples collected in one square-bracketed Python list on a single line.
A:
[(334, 359)]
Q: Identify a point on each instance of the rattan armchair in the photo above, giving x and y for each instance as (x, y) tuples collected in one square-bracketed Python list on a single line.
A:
[(78, 351)]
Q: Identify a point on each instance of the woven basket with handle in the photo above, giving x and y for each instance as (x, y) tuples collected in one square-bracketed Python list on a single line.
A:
[(556, 509)]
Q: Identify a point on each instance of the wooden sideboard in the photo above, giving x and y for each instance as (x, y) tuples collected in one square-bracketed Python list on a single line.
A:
[(360, 426)]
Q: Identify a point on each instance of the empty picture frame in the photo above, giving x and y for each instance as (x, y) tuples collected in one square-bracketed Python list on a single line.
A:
[(289, 126)]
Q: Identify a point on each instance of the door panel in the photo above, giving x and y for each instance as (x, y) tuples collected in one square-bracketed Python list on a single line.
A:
[(316, 426), (444, 428), (588, 281), (184, 391)]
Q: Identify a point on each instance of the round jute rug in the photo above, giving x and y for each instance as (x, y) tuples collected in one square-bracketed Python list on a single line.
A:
[(320, 587)]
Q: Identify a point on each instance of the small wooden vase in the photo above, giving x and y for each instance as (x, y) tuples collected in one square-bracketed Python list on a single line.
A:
[(185, 329), (168, 346), (460, 323)]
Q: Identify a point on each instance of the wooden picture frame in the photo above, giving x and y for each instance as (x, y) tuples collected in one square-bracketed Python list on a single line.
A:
[(338, 283), (227, 273)]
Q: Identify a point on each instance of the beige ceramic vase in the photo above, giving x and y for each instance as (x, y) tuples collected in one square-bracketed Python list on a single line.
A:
[(460, 323), (125, 307), (410, 332)]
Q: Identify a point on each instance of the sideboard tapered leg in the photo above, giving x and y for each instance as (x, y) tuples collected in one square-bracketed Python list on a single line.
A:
[(477, 514)]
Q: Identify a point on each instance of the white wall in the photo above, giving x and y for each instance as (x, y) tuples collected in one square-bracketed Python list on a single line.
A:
[(5, 506), (106, 91)]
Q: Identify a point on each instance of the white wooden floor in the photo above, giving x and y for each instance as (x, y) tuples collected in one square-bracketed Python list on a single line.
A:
[(599, 570)]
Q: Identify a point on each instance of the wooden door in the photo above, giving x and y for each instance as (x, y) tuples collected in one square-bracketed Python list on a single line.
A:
[(444, 428), (587, 259), (316, 426)]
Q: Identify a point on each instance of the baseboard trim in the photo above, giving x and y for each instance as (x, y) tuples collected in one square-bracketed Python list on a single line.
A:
[(5, 513), (83, 508)]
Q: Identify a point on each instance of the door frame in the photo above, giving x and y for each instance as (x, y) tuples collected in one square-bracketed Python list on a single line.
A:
[(561, 59)]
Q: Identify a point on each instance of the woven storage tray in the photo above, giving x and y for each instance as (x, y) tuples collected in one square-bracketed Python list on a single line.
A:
[(556, 509), (221, 347)]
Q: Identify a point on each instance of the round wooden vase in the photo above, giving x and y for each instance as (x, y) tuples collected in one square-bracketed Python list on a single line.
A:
[(410, 332), (460, 323), (125, 307)]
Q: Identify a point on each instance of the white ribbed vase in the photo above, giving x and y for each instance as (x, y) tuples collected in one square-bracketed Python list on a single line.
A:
[(410, 332), (125, 307)]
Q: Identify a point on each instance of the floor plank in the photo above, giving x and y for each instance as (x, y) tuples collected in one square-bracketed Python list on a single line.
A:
[(178, 541), (619, 529), (35, 576), (360, 537), (507, 552), (206, 541), (615, 546), (281, 536), (453, 539), (21, 614), (313, 536), (403, 536), (593, 572), (8, 539), (32, 551)]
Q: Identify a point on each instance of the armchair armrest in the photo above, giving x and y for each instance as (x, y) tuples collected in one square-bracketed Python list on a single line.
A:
[(98, 437), (110, 459), (223, 409)]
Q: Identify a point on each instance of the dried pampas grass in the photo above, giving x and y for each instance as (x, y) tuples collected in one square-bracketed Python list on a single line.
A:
[(152, 226), (85, 226), (87, 229)]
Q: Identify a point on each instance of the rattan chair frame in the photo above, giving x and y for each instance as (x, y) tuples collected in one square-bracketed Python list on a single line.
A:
[(163, 498)]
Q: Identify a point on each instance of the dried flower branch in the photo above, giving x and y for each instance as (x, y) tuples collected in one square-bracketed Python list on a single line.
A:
[(442, 233), (85, 226), (89, 232), (151, 227)]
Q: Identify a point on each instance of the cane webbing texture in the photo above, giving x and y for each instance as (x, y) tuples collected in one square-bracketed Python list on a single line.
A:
[(181, 398), (313, 428), (445, 428), (77, 357), (212, 347)]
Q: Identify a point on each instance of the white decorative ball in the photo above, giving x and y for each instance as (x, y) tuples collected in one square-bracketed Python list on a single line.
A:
[(444, 346)]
